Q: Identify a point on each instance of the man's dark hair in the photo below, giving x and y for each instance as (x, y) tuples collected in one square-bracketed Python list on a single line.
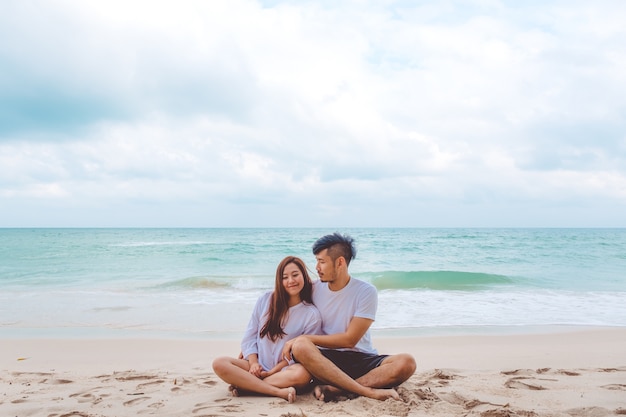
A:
[(337, 245)]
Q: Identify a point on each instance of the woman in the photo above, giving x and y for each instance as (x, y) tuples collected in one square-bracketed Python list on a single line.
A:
[(278, 316)]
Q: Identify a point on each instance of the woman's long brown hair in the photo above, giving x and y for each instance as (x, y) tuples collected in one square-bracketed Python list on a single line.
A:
[(279, 307)]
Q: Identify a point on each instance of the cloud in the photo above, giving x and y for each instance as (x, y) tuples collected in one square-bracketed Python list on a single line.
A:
[(289, 113)]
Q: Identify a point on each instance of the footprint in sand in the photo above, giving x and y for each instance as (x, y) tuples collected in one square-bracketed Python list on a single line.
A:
[(19, 401), (83, 397), (60, 381), (615, 387), (457, 399), (152, 407), (409, 394), (32, 373), (91, 395), (183, 381), (227, 408), (131, 377), (568, 373), (515, 383), (75, 414), (442, 378), (148, 384), (526, 372), (588, 412), (439, 374), (426, 395), (135, 401)]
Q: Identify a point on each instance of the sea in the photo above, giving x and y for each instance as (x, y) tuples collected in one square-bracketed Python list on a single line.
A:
[(203, 283)]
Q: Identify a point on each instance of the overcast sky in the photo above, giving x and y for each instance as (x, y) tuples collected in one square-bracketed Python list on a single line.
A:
[(315, 113)]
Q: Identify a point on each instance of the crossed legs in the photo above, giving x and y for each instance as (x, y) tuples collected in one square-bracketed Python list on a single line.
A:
[(393, 371), (282, 384)]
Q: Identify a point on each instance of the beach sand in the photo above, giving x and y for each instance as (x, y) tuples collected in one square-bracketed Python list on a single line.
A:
[(579, 372)]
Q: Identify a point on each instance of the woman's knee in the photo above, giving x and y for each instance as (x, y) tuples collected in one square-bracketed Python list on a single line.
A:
[(300, 376), (220, 364), (300, 372)]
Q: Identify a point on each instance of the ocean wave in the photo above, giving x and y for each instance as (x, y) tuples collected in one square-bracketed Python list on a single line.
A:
[(157, 243), (435, 280), (196, 283)]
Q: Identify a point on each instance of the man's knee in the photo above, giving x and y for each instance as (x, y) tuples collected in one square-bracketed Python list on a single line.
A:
[(301, 349), (406, 364), (403, 364)]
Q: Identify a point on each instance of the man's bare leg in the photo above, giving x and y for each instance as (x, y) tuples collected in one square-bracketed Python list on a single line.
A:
[(393, 371), (310, 357)]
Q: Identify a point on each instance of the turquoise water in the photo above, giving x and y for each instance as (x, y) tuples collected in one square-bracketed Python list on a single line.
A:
[(204, 282)]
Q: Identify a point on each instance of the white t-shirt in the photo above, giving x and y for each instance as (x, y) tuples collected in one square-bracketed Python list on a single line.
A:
[(357, 299), (301, 319)]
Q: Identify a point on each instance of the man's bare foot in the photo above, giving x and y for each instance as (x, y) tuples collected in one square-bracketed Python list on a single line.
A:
[(329, 393), (318, 392), (288, 394), (383, 394)]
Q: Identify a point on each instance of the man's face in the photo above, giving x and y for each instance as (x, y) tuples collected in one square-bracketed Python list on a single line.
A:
[(325, 266)]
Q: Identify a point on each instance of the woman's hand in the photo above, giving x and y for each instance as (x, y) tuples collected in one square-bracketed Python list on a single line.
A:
[(256, 369), (279, 367), (265, 374), (253, 365)]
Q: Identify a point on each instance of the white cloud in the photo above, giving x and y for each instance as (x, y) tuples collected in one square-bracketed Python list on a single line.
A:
[(313, 113)]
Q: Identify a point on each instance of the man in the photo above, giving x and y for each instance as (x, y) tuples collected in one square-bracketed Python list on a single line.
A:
[(346, 359)]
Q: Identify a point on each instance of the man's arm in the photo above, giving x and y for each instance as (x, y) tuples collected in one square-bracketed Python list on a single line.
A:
[(356, 329)]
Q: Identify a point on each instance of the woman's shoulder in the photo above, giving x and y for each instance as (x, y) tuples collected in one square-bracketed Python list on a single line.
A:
[(266, 294), (264, 298), (304, 305), (309, 308)]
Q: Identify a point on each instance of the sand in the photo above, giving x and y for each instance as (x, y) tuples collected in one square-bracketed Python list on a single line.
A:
[(578, 372)]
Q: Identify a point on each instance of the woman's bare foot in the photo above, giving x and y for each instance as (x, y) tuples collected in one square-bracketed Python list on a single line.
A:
[(288, 394), (233, 391)]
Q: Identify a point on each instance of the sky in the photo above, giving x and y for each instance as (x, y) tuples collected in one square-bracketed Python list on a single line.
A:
[(242, 113)]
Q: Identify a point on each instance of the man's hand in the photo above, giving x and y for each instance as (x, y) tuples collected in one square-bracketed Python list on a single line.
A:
[(287, 349)]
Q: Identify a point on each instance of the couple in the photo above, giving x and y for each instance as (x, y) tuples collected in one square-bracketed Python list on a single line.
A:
[(305, 331)]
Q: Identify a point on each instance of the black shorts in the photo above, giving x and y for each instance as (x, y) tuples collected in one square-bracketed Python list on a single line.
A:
[(355, 364)]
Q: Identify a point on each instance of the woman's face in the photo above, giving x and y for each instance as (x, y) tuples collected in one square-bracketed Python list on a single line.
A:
[(293, 280)]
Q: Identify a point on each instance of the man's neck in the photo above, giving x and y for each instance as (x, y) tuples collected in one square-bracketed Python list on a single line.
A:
[(339, 283)]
